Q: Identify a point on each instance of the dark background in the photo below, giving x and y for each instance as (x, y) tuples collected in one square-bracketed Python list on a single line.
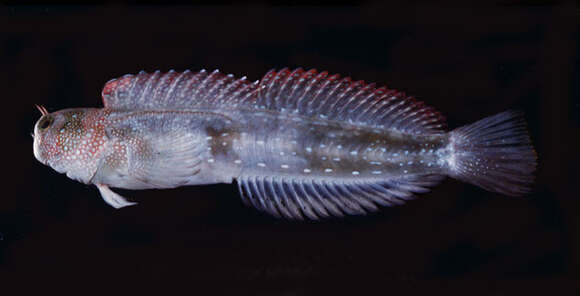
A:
[(466, 62)]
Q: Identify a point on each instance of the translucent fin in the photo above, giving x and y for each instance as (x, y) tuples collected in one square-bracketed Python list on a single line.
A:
[(316, 94), (176, 160), (112, 198), (313, 199), (494, 153), (173, 90), (307, 93), (160, 153)]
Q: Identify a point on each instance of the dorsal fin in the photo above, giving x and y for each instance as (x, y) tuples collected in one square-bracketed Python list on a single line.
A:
[(174, 90), (307, 93), (327, 96)]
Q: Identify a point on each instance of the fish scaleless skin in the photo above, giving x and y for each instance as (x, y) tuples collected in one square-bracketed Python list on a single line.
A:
[(300, 144)]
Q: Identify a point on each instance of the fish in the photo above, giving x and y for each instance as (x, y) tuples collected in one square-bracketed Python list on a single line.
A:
[(299, 144)]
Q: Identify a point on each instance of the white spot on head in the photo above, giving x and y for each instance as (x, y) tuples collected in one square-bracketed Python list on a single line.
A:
[(336, 159), (237, 161), (282, 153), (224, 143), (354, 152), (355, 173), (307, 171), (328, 170), (323, 158), (225, 134), (308, 149)]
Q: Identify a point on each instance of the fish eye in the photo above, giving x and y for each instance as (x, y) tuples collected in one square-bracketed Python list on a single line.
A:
[(45, 122)]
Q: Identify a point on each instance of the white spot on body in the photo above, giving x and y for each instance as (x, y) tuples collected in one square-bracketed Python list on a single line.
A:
[(284, 166), (356, 173), (237, 161), (376, 172), (261, 164), (307, 171), (328, 170)]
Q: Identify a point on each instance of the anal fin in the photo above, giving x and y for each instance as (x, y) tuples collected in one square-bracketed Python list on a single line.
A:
[(298, 198)]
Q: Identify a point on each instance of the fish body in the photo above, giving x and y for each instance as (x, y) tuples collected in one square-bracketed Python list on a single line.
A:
[(299, 144)]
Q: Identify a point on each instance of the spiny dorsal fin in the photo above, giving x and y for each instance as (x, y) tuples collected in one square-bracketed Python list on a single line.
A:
[(314, 94), (174, 90)]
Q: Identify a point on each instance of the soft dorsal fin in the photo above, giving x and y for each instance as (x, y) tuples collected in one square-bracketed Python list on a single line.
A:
[(327, 96), (176, 90)]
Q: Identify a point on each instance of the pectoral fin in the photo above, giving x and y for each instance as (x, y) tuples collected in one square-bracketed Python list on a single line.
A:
[(112, 198)]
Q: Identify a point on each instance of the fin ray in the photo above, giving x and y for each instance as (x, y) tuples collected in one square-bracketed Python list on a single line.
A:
[(313, 199)]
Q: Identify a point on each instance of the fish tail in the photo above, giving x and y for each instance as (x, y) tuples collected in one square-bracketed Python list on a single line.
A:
[(494, 153)]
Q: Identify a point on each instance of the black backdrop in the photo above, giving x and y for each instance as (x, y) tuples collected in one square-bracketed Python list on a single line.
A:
[(467, 62)]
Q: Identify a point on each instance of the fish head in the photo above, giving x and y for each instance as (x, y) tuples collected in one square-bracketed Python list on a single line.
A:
[(68, 141)]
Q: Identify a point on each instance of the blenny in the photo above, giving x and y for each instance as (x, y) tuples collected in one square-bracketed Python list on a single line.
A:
[(299, 144)]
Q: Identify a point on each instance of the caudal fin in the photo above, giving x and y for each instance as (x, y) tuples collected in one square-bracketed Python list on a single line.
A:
[(494, 153)]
